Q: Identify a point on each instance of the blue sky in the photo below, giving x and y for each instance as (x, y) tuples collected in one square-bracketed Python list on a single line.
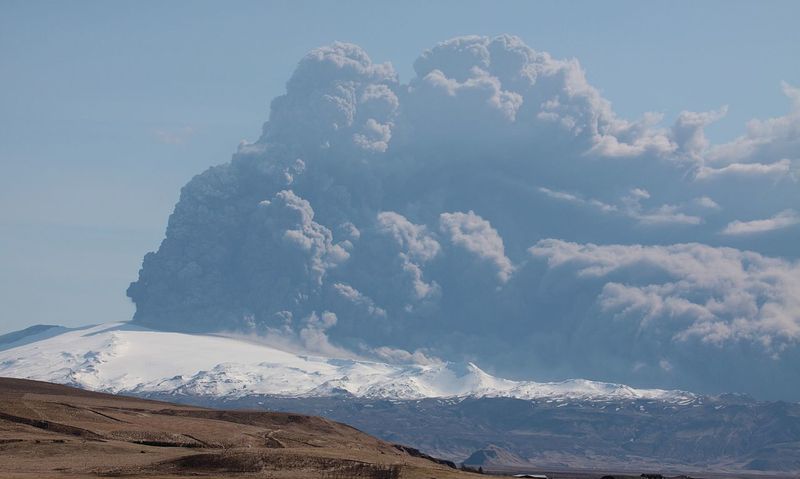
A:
[(107, 109)]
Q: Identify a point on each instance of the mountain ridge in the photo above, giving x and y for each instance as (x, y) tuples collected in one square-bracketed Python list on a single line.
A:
[(443, 409), (115, 357)]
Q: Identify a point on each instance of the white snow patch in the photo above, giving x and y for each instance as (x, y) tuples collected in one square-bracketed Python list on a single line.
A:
[(121, 357)]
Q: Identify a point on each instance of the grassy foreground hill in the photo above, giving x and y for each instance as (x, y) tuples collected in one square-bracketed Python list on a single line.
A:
[(49, 430)]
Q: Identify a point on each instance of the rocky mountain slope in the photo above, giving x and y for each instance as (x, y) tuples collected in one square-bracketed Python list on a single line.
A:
[(493, 456)]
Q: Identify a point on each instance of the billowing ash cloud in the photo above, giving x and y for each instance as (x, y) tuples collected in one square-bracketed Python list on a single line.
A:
[(717, 295), (495, 208), (476, 236)]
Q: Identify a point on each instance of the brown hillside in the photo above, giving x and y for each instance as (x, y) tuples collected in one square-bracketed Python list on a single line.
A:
[(48, 430)]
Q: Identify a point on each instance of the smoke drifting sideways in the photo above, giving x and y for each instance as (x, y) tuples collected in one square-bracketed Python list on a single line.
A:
[(495, 209)]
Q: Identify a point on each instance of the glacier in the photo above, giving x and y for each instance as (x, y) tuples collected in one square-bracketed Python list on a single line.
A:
[(123, 357)]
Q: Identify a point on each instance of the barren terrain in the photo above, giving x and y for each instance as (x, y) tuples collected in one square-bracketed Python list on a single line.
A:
[(48, 430)]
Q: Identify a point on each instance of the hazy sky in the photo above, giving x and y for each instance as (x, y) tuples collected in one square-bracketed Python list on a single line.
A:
[(108, 108)]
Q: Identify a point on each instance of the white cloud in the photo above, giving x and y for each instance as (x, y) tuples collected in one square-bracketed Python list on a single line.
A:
[(314, 338), (688, 132), (401, 356), (417, 246), (769, 139), (575, 199), (336, 98), (417, 242), (774, 170), (707, 203), (476, 235), (374, 136), (664, 214), (359, 299), (719, 295), (784, 219), (478, 87), (631, 206), (309, 337), (309, 236), (481, 88)]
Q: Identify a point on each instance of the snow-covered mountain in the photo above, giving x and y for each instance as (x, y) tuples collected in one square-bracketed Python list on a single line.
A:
[(446, 409), (122, 357)]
